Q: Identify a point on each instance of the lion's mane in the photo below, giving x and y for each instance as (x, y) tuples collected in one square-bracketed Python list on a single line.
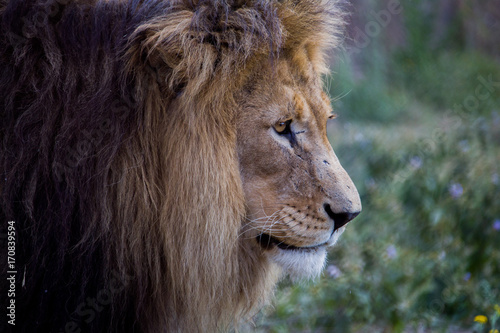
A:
[(118, 157)]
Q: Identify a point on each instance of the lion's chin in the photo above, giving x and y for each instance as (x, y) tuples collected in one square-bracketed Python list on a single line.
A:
[(300, 264), (306, 263)]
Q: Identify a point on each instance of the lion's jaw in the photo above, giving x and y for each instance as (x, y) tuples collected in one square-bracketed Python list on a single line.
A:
[(298, 196), (303, 263)]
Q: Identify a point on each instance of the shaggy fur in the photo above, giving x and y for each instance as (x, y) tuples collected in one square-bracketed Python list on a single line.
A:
[(118, 157)]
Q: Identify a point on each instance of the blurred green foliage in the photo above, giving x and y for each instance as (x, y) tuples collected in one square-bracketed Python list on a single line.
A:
[(422, 143)]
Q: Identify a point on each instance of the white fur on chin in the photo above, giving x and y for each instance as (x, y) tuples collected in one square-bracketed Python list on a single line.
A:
[(300, 264), (304, 264)]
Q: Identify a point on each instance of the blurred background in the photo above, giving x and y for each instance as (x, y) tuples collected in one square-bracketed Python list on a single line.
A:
[(417, 91)]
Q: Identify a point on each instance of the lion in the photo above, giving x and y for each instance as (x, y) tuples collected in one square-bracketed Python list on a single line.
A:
[(164, 163)]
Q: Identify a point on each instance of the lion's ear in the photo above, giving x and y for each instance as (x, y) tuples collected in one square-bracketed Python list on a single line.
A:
[(156, 52)]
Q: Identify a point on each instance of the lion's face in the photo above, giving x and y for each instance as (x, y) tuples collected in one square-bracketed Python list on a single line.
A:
[(298, 196)]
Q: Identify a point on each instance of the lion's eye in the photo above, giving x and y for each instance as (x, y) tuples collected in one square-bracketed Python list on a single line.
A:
[(283, 127)]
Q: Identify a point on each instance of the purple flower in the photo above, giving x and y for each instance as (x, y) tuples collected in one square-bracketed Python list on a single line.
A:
[(467, 276), (456, 190), (494, 179), (496, 225), (416, 162), (333, 271), (391, 251)]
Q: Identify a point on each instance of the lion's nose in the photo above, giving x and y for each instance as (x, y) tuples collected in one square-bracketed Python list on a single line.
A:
[(339, 219)]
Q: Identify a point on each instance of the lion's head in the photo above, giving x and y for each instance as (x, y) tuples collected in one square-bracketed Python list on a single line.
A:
[(298, 196), (165, 162)]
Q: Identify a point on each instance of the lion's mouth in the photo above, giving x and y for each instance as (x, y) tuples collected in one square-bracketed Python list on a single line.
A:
[(268, 242)]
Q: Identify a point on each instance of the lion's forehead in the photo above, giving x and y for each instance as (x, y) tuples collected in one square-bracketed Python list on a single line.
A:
[(303, 87), (310, 104)]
